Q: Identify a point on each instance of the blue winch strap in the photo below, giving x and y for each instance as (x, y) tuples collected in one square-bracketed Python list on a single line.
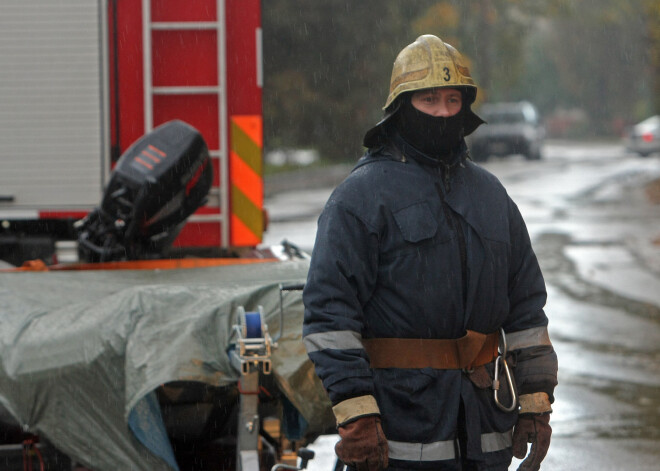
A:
[(253, 325)]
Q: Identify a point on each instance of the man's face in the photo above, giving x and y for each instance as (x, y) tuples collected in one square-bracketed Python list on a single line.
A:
[(443, 102)]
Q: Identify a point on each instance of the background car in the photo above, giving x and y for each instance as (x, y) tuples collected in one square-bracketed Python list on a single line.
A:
[(512, 128), (644, 138)]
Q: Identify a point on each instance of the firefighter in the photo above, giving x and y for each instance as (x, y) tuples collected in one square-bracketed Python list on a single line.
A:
[(424, 299)]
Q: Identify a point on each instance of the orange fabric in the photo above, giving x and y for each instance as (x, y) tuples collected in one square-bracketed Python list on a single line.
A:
[(165, 264), (31, 265)]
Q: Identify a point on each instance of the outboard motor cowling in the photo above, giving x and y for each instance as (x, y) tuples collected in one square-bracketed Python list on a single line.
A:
[(157, 183)]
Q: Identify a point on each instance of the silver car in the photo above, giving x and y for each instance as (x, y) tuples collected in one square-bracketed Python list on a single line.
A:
[(644, 138), (512, 128)]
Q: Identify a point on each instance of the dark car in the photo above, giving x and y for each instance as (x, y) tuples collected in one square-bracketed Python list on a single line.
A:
[(511, 128), (644, 138)]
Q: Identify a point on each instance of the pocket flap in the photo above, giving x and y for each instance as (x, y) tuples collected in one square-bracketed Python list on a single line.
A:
[(416, 222)]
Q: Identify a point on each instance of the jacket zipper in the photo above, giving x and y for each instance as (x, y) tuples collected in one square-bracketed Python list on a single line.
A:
[(456, 226)]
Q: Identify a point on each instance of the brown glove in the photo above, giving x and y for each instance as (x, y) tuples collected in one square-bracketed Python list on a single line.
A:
[(534, 429), (363, 444)]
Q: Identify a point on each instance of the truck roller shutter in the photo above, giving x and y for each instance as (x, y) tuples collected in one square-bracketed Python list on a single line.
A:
[(53, 142)]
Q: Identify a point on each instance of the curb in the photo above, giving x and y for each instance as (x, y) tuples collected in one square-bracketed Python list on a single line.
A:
[(304, 179)]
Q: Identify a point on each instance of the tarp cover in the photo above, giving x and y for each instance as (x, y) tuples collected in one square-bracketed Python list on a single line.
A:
[(82, 352)]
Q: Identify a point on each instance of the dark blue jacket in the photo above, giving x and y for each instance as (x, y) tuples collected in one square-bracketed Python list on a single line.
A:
[(407, 250)]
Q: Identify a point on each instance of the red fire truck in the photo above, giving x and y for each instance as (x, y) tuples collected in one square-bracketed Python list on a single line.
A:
[(81, 80)]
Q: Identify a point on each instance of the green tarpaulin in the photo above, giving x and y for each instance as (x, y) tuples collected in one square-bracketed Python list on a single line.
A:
[(82, 351)]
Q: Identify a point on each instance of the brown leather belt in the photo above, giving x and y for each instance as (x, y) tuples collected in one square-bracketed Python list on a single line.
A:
[(472, 350)]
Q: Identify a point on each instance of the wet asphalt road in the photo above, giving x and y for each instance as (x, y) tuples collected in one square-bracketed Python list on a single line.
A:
[(593, 212)]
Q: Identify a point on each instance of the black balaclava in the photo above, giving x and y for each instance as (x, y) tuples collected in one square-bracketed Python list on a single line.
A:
[(437, 137)]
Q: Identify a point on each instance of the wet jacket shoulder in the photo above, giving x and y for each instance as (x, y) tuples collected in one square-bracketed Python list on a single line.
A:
[(387, 180)]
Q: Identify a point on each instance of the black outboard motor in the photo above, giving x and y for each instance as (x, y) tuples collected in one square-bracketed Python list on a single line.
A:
[(157, 183)]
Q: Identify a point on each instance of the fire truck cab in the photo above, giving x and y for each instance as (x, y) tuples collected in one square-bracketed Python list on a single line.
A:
[(81, 80)]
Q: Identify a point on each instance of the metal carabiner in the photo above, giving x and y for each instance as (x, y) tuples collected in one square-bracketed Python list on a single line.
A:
[(496, 382)]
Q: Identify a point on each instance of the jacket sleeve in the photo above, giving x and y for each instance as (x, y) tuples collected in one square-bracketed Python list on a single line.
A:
[(341, 279), (527, 324)]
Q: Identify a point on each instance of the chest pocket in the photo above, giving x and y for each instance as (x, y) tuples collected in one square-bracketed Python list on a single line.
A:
[(417, 223)]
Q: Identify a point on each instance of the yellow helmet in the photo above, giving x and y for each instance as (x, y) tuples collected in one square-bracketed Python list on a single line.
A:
[(429, 63)]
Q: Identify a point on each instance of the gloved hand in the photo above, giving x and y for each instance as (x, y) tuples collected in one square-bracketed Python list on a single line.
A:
[(363, 444), (534, 429)]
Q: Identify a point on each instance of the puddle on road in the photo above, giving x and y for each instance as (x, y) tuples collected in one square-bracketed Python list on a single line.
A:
[(561, 272), (637, 417), (605, 387)]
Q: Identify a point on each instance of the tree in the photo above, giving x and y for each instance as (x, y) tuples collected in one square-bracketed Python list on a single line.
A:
[(327, 67), (598, 52), (652, 11), (327, 64)]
